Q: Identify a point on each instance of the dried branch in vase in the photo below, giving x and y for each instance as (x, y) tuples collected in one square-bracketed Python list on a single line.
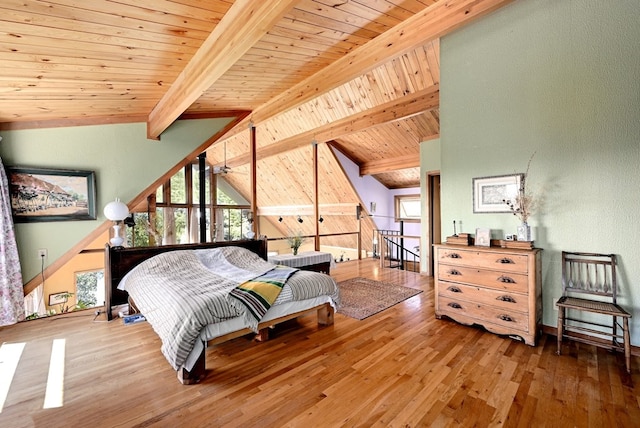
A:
[(525, 203)]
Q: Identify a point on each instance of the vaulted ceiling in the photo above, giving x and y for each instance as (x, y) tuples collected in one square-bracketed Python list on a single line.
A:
[(361, 76)]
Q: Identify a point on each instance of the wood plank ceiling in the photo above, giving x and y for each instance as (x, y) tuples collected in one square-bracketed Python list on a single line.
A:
[(361, 76)]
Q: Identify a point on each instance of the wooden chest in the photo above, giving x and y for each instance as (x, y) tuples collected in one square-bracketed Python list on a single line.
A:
[(497, 288)]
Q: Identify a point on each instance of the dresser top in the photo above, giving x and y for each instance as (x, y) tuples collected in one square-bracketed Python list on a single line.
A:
[(486, 249)]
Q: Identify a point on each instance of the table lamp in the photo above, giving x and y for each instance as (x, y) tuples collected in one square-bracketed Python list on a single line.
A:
[(116, 211)]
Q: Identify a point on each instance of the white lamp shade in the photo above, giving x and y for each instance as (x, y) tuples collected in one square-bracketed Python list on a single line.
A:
[(116, 210)]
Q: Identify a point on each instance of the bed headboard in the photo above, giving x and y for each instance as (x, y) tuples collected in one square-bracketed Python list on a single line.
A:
[(120, 260)]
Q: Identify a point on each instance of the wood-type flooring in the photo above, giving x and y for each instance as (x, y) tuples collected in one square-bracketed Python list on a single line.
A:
[(399, 368)]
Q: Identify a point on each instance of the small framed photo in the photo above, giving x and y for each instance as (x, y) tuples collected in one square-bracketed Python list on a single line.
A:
[(483, 237), (58, 298), (40, 194), (490, 193)]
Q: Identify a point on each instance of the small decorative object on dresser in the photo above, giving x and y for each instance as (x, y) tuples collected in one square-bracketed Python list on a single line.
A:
[(460, 239), (483, 237), (497, 288), (524, 232)]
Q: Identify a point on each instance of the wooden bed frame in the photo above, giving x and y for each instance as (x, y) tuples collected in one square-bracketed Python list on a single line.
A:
[(120, 260)]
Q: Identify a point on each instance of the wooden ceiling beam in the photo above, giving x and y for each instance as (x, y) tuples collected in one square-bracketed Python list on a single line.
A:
[(246, 22), (401, 108), (392, 164), (432, 23), (387, 165)]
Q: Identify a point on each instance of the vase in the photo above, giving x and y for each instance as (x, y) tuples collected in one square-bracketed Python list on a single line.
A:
[(295, 250), (524, 232)]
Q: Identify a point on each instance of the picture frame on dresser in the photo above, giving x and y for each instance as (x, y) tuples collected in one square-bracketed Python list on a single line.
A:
[(490, 193), (483, 237)]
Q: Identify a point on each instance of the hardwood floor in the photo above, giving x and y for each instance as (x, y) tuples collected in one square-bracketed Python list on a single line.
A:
[(401, 367)]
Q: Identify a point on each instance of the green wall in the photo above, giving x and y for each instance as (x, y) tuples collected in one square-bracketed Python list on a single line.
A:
[(124, 160), (561, 79)]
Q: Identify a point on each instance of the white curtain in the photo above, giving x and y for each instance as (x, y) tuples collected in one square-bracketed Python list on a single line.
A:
[(11, 291), (34, 302)]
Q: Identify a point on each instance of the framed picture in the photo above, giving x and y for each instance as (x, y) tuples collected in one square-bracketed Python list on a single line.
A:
[(40, 194), (483, 237), (58, 298), (489, 193)]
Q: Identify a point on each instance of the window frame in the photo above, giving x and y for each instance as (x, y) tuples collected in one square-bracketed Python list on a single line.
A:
[(398, 201)]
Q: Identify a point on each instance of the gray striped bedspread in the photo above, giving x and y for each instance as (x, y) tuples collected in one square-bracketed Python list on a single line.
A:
[(180, 292)]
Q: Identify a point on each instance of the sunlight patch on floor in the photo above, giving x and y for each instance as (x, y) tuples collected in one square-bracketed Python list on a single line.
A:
[(10, 354), (54, 397)]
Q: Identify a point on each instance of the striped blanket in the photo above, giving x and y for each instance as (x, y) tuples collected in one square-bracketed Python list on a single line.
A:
[(181, 292), (258, 294)]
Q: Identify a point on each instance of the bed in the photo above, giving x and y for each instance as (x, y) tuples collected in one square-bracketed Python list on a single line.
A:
[(199, 295)]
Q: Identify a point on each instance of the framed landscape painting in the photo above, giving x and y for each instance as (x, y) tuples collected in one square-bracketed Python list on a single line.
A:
[(490, 193), (41, 194)]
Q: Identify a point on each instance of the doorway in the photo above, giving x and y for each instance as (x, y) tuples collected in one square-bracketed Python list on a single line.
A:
[(434, 228)]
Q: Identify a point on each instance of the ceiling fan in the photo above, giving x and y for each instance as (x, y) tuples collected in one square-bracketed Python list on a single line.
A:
[(223, 169)]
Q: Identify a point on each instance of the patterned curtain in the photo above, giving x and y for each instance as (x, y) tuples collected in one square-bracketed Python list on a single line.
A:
[(11, 291)]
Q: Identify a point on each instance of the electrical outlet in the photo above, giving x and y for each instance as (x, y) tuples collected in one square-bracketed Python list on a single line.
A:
[(42, 253)]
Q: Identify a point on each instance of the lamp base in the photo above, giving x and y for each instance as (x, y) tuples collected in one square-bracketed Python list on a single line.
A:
[(116, 241)]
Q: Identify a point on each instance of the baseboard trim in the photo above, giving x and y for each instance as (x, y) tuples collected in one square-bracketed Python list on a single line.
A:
[(553, 331)]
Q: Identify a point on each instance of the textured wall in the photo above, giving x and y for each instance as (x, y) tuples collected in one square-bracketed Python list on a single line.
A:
[(561, 79)]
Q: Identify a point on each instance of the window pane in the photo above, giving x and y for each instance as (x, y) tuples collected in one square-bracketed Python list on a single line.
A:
[(181, 231), (89, 289), (223, 199), (233, 224), (178, 188), (407, 207), (160, 224), (159, 195), (209, 233), (410, 209), (196, 185)]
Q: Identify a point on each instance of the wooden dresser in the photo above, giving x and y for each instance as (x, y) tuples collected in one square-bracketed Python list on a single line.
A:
[(497, 288)]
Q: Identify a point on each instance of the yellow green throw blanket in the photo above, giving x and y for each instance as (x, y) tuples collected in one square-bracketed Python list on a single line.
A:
[(258, 294)]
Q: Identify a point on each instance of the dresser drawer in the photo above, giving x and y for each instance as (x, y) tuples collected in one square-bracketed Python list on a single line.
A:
[(508, 281), (486, 296), (484, 313), (506, 262)]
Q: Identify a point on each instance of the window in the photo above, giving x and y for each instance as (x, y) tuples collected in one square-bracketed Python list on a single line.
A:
[(407, 208), (232, 218), (174, 211), (89, 289)]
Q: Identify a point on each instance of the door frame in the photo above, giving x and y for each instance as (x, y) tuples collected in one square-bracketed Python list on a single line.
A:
[(432, 210)]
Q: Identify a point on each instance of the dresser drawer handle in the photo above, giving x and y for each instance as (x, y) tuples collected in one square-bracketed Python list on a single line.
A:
[(506, 261), (506, 299), (453, 255), (454, 272), (506, 280), (454, 289), (455, 305), (507, 318)]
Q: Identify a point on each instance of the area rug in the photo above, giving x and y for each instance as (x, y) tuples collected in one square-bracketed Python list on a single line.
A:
[(361, 297)]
